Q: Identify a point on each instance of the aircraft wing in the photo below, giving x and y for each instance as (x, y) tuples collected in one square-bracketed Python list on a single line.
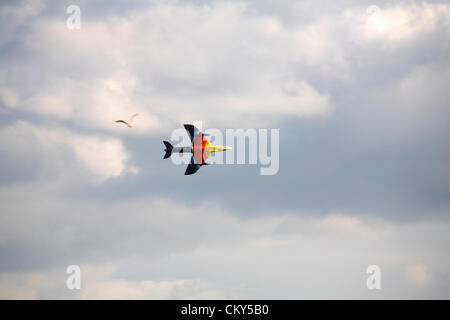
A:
[(192, 167), (192, 131)]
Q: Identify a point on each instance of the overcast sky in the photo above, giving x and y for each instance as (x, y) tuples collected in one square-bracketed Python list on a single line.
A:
[(359, 91)]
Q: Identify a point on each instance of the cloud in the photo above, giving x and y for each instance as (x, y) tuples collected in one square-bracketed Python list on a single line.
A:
[(176, 289), (134, 65), (98, 282), (135, 249), (400, 23), (59, 152), (362, 112), (418, 275), (254, 66), (17, 15), (9, 97), (21, 286)]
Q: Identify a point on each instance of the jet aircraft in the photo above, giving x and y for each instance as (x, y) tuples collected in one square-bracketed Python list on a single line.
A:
[(200, 148)]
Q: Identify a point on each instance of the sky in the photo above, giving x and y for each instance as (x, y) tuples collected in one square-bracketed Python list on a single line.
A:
[(359, 91)]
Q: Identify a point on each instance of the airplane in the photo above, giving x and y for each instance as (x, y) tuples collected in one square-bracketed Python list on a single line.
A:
[(201, 149)]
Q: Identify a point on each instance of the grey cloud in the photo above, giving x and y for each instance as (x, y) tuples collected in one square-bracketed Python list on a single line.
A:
[(268, 257), (377, 158)]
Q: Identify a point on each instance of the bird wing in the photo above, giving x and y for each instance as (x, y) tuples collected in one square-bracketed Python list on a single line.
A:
[(122, 121), (133, 116)]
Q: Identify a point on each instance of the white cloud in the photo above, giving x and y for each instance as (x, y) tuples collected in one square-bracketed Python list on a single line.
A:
[(404, 23), (164, 63), (179, 62), (418, 275), (146, 289), (95, 104), (8, 97), (60, 151), (99, 282), (21, 285)]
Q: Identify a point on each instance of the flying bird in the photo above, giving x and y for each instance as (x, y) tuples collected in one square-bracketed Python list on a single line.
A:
[(201, 149), (129, 123)]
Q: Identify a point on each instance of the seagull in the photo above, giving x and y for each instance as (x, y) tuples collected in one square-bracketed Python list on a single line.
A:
[(129, 124)]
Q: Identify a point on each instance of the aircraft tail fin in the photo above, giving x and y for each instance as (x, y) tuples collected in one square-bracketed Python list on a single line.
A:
[(168, 149)]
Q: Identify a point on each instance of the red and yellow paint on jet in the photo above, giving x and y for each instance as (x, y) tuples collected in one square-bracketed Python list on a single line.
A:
[(201, 149)]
